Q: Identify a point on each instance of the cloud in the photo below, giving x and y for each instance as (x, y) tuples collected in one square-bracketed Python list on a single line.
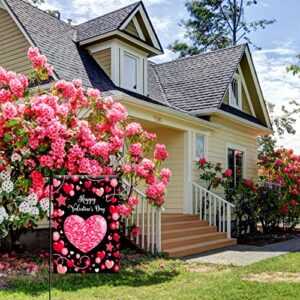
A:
[(279, 87), (83, 10)]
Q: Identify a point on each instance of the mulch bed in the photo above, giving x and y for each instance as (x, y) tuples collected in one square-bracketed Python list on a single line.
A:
[(261, 239)]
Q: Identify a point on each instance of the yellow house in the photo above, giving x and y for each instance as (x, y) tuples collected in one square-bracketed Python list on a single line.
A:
[(208, 105)]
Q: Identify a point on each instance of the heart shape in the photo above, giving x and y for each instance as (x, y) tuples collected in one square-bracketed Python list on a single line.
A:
[(85, 234), (109, 264), (97, 270), (100, 192), (61, 269), (58, 246), (56, 182), (68, 187), (87, 184)]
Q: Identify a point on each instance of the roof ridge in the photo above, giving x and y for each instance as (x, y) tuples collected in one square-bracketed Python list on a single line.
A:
[(135, 4), (39, 9), (201, 54)]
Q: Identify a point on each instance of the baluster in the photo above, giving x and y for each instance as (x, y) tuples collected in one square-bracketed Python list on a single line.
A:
[(201, 202), (143, 223), (205, 200), (209, 199), (158, 229), (223, 216), (220, 224), (196, 201), (152, 229), (215, 212), (137, 218), (228, 221), (148, 227)]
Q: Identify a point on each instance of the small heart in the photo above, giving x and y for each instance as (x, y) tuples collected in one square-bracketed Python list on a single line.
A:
[(75, 178), (72, 193), (93, 265), (116, 237), (97, 270), (109, 264), (76, 269), (117, 254), (115, 216), (117, 268), (110, 238), (100, 192), (58, 246), (60, 212), (101, 254), (61, 269), (78, 188), (113, 200), (70, 263), (71, 252), (87, 184), (68, 187), (56, 182)]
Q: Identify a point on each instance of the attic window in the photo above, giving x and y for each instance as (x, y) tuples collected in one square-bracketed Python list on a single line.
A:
[(235, 95), (131, 71)]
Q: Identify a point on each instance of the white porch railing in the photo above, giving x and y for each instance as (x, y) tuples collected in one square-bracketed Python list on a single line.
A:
[(148, 218), (212, 208)]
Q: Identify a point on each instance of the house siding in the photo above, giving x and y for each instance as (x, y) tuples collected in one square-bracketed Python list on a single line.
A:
[(13, 46), (103, 58), (130, 28)]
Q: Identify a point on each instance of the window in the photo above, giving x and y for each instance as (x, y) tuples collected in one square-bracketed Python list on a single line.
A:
[(235, 92), (235, 164), (199, 146), (131, 71)]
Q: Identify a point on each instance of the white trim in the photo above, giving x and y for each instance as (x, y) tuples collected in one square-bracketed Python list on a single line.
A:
[(238, 148), (138, 28), (152, 50), (261, 129), (187, 199), (147, 24), (205, 150), (139, 76), (231, 101), (257, 86), (246, 91)]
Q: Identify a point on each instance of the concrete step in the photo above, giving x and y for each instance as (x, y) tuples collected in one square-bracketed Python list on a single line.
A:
[(191, 240), (199, 247)]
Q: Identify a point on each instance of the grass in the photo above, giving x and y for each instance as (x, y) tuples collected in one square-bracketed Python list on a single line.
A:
[(143, 277)]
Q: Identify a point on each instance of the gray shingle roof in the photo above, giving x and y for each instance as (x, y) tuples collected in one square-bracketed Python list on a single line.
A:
[(198, 82), (55, 40), (106, 23)]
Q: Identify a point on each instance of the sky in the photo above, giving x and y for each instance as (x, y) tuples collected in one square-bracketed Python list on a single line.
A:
[(280, 42)]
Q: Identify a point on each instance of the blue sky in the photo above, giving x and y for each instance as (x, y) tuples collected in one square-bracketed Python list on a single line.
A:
[(280, 42)]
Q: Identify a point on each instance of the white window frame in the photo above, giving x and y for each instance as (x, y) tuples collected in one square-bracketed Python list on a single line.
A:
[(231, 95), (205, 147), (125, 53), (241, 149)]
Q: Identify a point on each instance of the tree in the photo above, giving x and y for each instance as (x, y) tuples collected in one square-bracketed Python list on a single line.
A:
[(53, 13), (282, 124), (66, 130), (216, 24)]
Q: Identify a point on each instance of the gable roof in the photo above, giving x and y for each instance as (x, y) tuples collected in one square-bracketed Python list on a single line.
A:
[(106, 23), (55, 39), (198, 82)]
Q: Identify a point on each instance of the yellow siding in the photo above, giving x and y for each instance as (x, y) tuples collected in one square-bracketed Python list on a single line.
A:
[(130, 28), (13, 46), (103, 58), (174, 142)]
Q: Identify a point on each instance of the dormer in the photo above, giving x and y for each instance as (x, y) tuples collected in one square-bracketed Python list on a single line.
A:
[(121, 42)]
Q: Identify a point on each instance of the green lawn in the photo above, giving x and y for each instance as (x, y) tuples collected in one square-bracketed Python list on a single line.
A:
[(149, 278)]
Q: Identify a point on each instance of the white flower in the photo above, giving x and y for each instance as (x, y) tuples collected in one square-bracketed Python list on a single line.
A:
[(5, 175), (32, 199), (44, 203), (7, 186), (28, 206), (25, 151), (3, 214), (15, 157)]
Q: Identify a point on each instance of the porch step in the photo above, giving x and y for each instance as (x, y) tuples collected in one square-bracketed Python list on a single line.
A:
[(183, 232), (199, 247), (169, 225), (178, 217), (191, 240)]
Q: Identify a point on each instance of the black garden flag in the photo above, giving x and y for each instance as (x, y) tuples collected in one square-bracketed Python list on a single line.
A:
[(85, 224)]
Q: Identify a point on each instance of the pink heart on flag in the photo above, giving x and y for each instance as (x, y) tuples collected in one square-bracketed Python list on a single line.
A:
[(85, 234)]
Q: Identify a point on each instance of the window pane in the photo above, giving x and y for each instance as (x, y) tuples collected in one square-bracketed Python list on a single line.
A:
[(130, 72), (199, 145), (235, 163), (231, 164), (234, 99)]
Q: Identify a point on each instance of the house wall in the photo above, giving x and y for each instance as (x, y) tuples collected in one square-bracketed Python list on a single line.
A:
[(130, 28), (13, 46), (103, 58)]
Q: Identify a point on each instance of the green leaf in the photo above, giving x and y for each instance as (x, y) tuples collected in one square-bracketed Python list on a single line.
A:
[(7, 138), (12, 123), (42, 148)]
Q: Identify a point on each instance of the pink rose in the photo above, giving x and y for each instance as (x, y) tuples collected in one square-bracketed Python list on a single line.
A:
[(133, 129), (160, 152), (228, 173)]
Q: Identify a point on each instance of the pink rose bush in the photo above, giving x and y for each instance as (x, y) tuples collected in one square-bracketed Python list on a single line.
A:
[(67, 129)]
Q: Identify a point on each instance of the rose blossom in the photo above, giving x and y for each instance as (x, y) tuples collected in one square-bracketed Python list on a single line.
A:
[(135, 149), (133, 129), (228, 173), (160, 152)]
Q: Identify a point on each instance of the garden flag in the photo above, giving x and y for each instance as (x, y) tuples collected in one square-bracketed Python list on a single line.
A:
[(85, 224)]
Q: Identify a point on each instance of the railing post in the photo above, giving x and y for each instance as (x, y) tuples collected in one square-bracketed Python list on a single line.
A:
[(158, 229), (228, 221)]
